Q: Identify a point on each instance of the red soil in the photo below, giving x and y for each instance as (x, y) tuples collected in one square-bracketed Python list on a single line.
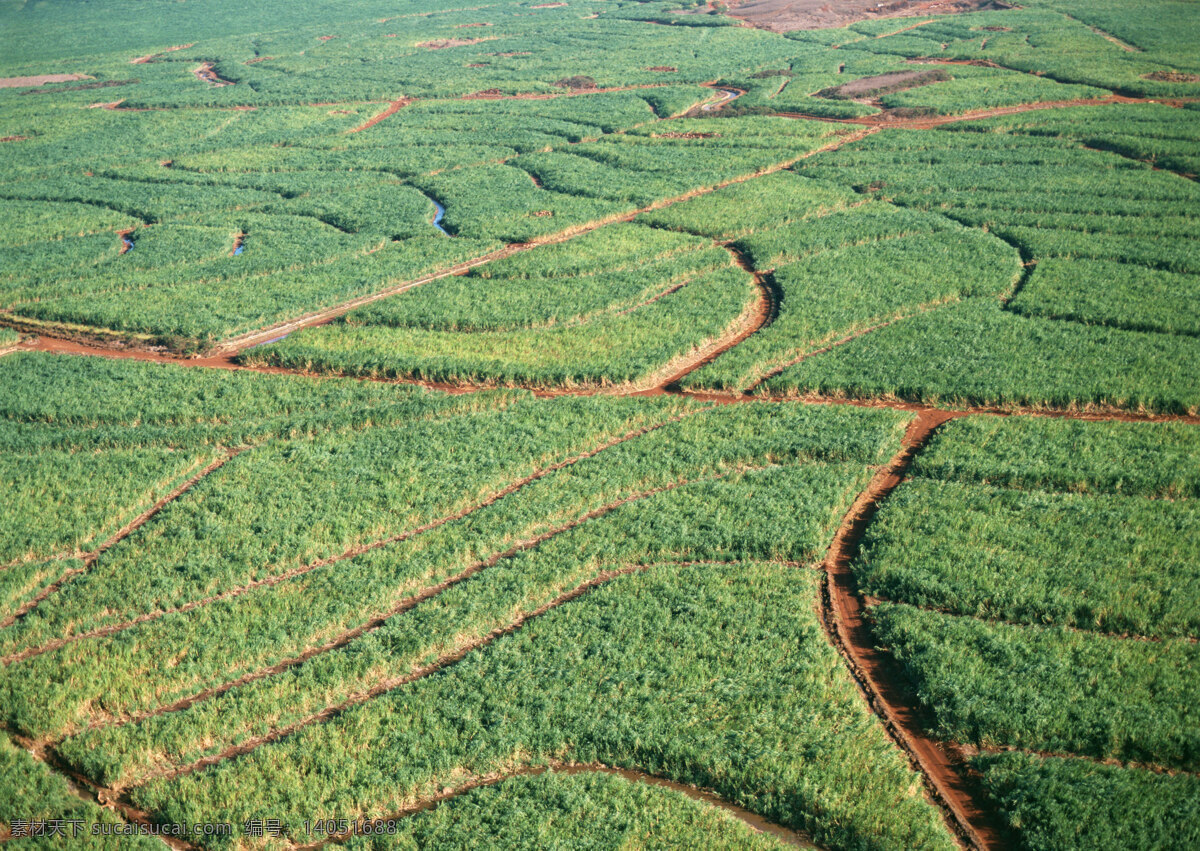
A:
[(13, 138), (143, 60), (205, 72), (40, 80), (878, 674), (393, 107), (452, 42)]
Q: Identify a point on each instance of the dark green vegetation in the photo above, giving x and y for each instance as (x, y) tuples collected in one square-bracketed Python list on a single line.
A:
[(372, 534), (229, 595), (1111, 331), (1055, 564), (1068, 803)]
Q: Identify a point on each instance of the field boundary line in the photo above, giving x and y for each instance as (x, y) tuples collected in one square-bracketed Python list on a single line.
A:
[(875, 672), (1087, 411), (755, 822), (82, 787), (862, 332), (756, 316), (1156, 768), (872, 600), (409, 603), (234, 345), (90, 558), (353, 552)]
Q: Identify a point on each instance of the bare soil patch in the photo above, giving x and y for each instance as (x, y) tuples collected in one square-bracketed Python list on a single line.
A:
[(788, 15), (40, 80), (466, 26), (99, 84), (548, 6), (153, 57), (676, 135), (1171, 77), (393, 107), (451, 42), (883, 84), (663, 68), (258, 59), (209, 75), (578, 83), (13, 138)]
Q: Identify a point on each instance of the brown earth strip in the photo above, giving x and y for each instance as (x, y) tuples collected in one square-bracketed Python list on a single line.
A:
[(237, 344), (789, 15), (929, 122), (40, 80), (1088, 413), (125, 531), (144, 60), (393, 107), (82, 787), (943, 766), (410, 602), (757, 316), (308, 568)]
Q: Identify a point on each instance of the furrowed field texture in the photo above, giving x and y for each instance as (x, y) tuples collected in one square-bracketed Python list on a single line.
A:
[(600, 424)]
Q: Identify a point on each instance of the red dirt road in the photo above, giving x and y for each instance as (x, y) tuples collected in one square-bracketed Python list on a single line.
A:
[(878, 675)]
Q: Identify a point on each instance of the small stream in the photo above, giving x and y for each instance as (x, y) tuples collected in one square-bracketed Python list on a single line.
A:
[(732, 95), (438, 216), (128, 243)]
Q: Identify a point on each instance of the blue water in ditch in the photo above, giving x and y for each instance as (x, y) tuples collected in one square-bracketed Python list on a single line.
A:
[(438, 216)]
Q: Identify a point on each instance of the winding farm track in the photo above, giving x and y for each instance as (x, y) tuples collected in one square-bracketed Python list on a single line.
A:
[(880, 680)]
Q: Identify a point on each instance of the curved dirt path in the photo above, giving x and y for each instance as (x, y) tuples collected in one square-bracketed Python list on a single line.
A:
[(754, 821), (757, 316), (882, 683)]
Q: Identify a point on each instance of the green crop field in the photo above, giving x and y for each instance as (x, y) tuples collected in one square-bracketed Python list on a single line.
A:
[(599, 424)]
